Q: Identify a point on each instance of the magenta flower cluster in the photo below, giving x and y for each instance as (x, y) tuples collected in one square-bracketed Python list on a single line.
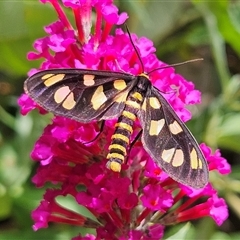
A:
[(140, 201)]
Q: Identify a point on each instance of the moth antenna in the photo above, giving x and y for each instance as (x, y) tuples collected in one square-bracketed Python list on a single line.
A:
[(177, 64), (140, 60), (138, 55)]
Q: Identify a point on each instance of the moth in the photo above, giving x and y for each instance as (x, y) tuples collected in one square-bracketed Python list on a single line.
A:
[(87, 95)]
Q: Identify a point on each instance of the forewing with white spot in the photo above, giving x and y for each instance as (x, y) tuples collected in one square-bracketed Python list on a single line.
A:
[(82, 95)]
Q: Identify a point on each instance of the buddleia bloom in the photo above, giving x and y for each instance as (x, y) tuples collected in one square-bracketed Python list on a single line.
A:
[(141, 200)]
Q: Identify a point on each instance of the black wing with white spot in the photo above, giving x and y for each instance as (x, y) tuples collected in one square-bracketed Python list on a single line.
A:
[(82, 95), (169, 142)]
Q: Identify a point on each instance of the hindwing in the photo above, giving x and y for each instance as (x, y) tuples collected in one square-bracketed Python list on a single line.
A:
[(82, 95), (169, 142)]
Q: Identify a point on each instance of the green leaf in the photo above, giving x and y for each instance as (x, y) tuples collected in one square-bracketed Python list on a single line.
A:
[(229, 132), (165, 14), (21, 23), (70, 203), (228, 19), (6, 204), (220, 235), (182, 233)]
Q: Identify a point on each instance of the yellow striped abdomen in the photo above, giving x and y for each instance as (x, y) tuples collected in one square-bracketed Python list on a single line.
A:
[(123, 130)]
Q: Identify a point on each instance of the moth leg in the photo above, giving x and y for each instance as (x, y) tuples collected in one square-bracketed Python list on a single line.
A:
[(133, 142), (101, 130)]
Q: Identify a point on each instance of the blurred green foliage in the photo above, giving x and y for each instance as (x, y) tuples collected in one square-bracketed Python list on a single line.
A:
[(181, 30)]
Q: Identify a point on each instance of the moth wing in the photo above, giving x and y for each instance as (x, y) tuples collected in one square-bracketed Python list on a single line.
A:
[(170, 143), (82, 95)]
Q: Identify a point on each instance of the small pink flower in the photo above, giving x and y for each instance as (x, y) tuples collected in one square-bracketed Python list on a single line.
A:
[(27, 105), (141, 200), (215, 160), (156, 198)]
